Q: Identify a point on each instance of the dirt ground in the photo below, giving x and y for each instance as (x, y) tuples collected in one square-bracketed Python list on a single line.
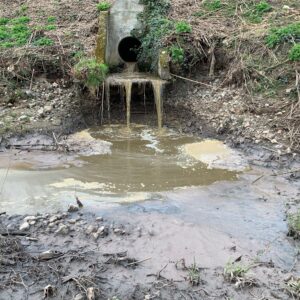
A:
[(83, 255)]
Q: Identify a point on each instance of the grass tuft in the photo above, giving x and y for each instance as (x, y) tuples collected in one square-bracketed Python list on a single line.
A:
[(103, 6), (90, 72)]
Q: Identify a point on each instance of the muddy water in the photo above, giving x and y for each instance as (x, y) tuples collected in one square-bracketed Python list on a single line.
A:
[(183, 188), (141, 162)]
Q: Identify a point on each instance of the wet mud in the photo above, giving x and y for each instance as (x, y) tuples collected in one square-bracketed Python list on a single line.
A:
[(156, 222)]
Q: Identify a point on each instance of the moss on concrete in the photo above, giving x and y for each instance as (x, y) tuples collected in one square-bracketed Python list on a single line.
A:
[(101, 38)]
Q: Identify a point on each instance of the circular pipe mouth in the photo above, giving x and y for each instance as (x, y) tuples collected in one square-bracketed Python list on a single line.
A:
[(128, 49)]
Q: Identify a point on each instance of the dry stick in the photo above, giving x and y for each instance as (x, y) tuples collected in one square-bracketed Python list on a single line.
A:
[(31, 81), (6, 174), (79, 284), (194, 81), (158, 273), (138, 262), (257, 179), (102, 101)]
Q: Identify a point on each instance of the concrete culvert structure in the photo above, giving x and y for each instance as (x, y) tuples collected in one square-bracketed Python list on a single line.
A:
[(128, 49), (122, 19)]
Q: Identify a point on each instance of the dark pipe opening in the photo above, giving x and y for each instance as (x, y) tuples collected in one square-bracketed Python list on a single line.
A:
[(128, 49)]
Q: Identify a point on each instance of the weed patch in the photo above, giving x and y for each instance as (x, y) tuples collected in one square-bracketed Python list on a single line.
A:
[(91, 73), (285, 34), (294, 54), (160, 32), (177, 54), (103, 6), (257, 11), (194, 274), (294, 224), (18, 31), (183, 27), (212, 5), (236, 273), (44, 41), (293, 287)]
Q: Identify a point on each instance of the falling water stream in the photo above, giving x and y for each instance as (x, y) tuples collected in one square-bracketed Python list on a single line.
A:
[(125, 81)]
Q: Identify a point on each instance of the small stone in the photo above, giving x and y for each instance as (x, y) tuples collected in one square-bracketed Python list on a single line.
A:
[(24, 226), (99, 219), (90, 293), (53, 219), (119, 231), (40, 112), (62, 229), (95, 235), (73, 208), (48, 109), (91, 229), (30, 218), (32, 222), (103, 231), (72, 221), (51, 225)]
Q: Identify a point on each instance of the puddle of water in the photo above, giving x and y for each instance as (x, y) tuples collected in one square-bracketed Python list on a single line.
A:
[(215, 154), (139, 160)]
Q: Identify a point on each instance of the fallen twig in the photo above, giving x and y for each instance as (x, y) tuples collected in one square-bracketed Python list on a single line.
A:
[(138, 262), (194, 81)]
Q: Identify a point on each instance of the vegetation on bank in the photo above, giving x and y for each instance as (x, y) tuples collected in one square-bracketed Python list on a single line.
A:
[(91, 73), (103, 6), (294, 224), (158, 31), (19, 31)]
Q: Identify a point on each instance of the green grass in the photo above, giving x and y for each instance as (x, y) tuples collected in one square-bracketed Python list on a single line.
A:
[(177, 54), (212, 5), (257, 11), (44, 41), (50, 27), (285, 34), (16, 32), (51, 19), (194, 274), (20, 20), (3, 21), (234, 271), (103, 6), (90, 72), (183, 27), (294, 224), (294, 54)]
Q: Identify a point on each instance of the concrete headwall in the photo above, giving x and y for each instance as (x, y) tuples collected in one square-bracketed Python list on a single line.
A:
[(123, 18)]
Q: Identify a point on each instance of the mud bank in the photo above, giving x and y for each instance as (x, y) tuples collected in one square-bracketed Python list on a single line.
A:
[(181, 245)]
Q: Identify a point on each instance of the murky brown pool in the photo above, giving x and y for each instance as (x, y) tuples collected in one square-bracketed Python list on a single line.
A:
[(197, 194), (140, 163)]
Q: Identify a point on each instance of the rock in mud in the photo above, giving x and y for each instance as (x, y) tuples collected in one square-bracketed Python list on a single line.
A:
[(55, 218), (62, 229), (73, 208), (91, 229), (119, 231), (49, 291), (90, 293), (24, 226), (30, 218), (103, 231)]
